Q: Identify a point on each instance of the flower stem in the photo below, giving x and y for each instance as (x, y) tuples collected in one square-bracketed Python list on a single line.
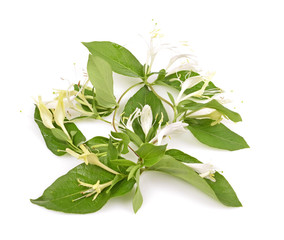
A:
[(161, 98)]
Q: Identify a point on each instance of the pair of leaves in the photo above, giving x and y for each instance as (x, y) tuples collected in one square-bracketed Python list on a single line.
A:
[(171, 81), (60, 195), (221, 190), (151, 154), (55, 139), (121, 60), (217, 136), (106, 57)]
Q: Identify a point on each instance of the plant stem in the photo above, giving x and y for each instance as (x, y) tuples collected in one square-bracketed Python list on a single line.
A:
[(100, 118), (161, 98)]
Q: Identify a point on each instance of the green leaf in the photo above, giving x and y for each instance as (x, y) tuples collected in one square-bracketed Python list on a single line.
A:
[(133, 137), (98, 144), (151, 154), (77, 136), (122, 187), (116, 179), (100, 74), (220, 190), (120, 59), (61, 194), (55, 145), (213, 104), (123, 162), (125, 140), (217, 136), (171, 98), (181, 156), (59, 134), (161, 75), (138, 199), (132, 171), (138, 100), (112, 152)]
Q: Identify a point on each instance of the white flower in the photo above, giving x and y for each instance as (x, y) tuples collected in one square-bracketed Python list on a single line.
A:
[(185, 85), (146, 119), (132, 117), (185, 66), (45, 114), (204, 170), (59, 113), (188, 83), (179, 56), (172, 128)]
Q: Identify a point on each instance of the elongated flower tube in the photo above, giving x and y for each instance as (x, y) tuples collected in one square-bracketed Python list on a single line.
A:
[(215, 115), (45, 114), (204, 170), (59, 113), (173, 128), (89, 158), (146, 119), (197, 93), (188, 83)]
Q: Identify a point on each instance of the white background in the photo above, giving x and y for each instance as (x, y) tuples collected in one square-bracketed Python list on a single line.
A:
[(241, 40)]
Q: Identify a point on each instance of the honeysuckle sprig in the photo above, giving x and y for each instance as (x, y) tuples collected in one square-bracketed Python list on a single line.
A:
[(143, 125)]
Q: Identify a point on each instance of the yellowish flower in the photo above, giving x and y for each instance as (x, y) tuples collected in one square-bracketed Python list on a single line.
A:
[(96, 189), (45, 114), (59, 113)]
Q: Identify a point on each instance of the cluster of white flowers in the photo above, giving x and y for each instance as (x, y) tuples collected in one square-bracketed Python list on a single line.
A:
[(146, 121), (155, 46)]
